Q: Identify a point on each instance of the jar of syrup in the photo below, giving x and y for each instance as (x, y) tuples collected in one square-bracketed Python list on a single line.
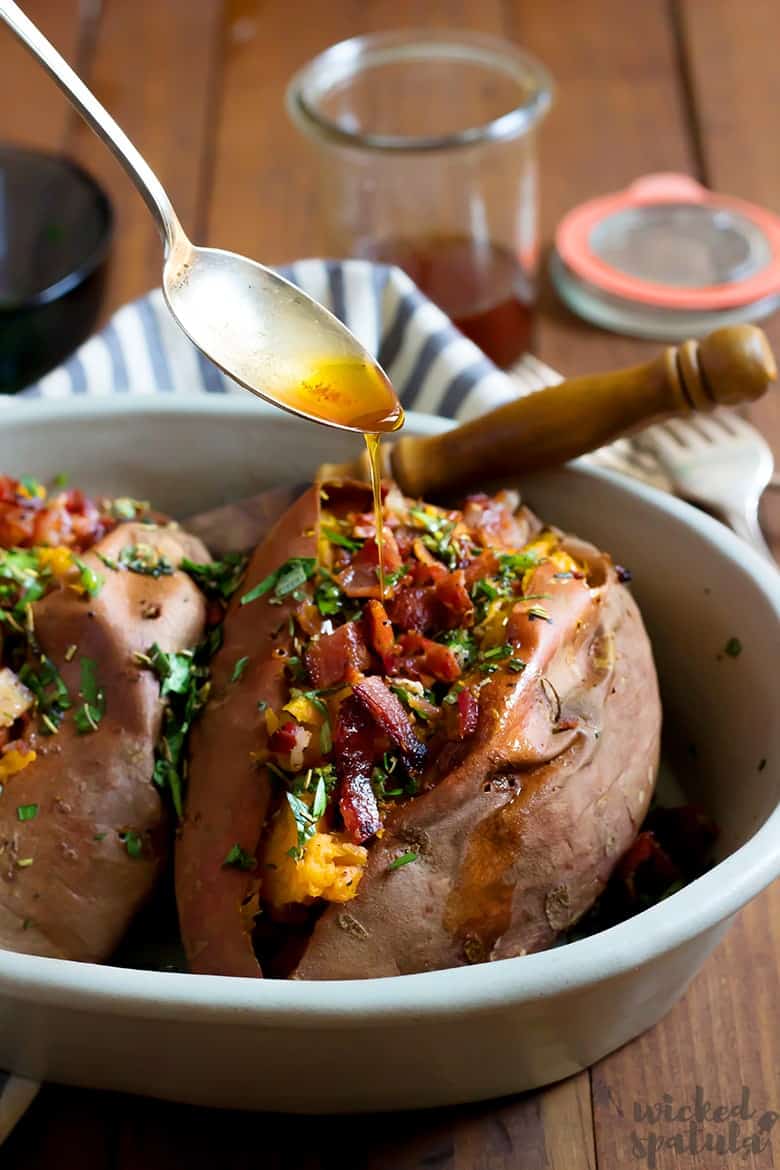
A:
[(427, 146)]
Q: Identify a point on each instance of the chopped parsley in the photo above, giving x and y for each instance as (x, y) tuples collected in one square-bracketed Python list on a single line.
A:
[(92, 710), (538, 613), (327, 596), (305, 821), (132, 842), (392, 579), (733, 648), (218, 579), (238, 858), (33, 487), (51, 695), (145, 559), (438, 535), (463, 645), (403, 859), (90, 581), (61, 479), (184, 685), (26, 812), (239, 669), (335, 537), (284, 580)]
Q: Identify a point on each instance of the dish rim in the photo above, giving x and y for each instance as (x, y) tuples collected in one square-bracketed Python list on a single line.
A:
[(160, 995)]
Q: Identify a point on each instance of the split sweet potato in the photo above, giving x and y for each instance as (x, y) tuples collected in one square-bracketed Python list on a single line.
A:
[(83, 829), (444, 775)]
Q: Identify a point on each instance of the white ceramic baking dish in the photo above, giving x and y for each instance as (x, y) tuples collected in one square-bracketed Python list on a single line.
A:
[(446, 1036)]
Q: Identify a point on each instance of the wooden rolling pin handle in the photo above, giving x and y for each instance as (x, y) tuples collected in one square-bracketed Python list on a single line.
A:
[(731, 365)]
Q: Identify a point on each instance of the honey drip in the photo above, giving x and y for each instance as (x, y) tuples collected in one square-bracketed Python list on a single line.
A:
[(375, 467)]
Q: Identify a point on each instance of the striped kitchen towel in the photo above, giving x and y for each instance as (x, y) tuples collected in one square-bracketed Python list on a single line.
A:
[(433, 367)]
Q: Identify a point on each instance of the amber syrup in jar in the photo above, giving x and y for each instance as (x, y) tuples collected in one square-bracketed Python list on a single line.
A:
[(482, 287)]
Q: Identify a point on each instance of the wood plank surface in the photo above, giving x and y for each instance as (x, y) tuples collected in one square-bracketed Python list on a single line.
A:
[(199, 84), (154, 65), (33, 111)]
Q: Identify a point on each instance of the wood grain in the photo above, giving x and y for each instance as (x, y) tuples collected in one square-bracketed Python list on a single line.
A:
[(154, 66), (33, 111)]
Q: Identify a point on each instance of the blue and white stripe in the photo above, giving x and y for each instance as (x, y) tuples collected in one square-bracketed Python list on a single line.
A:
[(433, 367)]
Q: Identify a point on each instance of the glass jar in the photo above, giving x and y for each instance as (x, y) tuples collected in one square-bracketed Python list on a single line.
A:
[(427, 148)]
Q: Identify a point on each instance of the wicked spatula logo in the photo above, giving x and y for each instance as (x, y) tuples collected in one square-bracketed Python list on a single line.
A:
[(699, 1126)]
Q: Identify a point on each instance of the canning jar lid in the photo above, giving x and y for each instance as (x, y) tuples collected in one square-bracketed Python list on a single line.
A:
[(668, 258)]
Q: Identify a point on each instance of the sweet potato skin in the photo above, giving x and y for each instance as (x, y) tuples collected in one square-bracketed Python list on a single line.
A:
[(228, 796), (519, 838), (515, 834), (78, 896)]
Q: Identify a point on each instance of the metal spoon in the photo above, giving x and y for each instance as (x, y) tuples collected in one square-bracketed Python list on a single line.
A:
[(259, 328)]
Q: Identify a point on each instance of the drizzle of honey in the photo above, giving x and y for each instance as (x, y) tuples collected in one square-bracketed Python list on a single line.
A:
[(357, 395), (349, 393), (375, 467)]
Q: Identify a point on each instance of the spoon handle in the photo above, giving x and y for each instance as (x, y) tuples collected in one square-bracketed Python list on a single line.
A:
[(150, 187), (731, 365)]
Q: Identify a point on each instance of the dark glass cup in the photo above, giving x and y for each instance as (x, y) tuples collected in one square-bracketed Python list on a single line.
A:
[(427, 145), (56, 226)]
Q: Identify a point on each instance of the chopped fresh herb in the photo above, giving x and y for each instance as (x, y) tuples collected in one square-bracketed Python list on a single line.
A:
[(90, 581), (538, 613), (219, 578), (403, 859), (284, 580), (305, 823), (27, 924), (61, 479), (109, 562), (328, 597), (132, 843), (438, 535), (335, 537), (51, 695), (88, 716), (452, 693), (762, 764), (27, 812), (462, 645), (320, 800), (184, 684), (239, 669), (516, 665), (513, 564), (238, 858), (100, 836), (146, 560), (733, 648), (392, 579), (173, 668), (70, 652), (24, 862), (125, 508), (33, 487)]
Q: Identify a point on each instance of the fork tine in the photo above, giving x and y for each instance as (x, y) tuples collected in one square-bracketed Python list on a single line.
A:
[(727, 420), (711, 430), (682, 432)]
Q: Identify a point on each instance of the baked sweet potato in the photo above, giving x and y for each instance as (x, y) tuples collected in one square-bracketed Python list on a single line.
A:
[(442, 776), (83, 829)]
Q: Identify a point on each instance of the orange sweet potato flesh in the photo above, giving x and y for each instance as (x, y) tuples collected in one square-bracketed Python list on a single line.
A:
[(77, 897), (515, 834)]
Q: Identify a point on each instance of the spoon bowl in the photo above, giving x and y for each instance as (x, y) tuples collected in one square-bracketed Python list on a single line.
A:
[(259, 328), (275, 340)]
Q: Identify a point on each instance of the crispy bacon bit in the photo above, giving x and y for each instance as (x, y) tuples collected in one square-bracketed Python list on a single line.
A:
[(337, 657), (309, 618), (355, 749), (68, 518), (645, 864), (415, 609), (389, 715), (283, 739), (453, 597), (379, 632), (360, 578), (421, 658), (468, 714), (493, 522), (484, 565)]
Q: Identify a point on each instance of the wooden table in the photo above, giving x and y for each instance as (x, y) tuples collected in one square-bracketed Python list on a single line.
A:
[(644, 85)]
